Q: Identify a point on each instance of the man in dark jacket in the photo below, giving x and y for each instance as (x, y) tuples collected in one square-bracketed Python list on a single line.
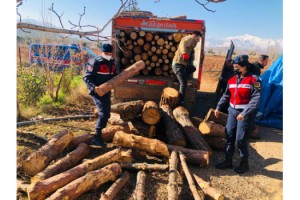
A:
[(259, 64), (100, 70)]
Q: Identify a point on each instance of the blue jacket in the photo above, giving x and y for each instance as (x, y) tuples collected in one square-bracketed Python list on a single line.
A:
[(98, 71)]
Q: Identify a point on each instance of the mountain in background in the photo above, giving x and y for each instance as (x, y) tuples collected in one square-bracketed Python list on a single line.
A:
[(245, 44)]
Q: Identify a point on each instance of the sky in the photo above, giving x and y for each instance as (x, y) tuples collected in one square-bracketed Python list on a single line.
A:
[(261, 18)]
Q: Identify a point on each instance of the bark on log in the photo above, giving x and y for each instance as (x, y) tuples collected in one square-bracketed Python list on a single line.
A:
[(172, 185), (63, 164), (170, 96), (150, 113), (197, 157), (144, 167), (41, 189), (152, 146), (212, 129), (192, 134), (115, 119), (124, 75), (144, 129), (128, 110), (173, 131), (39, 160), (109, 132), (208, 189), (158, 148), (189, 177), (85, 138), (116, 187), (91, 181), (139, 193), (210, 116), (216, 143)]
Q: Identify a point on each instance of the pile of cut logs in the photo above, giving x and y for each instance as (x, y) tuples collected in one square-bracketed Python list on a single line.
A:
[(155, 49), (132, 127)]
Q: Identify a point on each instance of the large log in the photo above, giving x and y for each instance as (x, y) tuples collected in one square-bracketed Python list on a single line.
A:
[(153, 146), (41, 189), (109, 132), (212, 129), (124, 75), (197, 157), (189, 177), (150, 113), (173, 131), (63, 164), (139, 193), (210, 116), (192, 134), (216, 143), (128, 110), (143, 129), (115, 119), (208, 189), (172, 185), (158, 148), (170, 96), (85, 138), (91, 181), (144, 167), (112, 192), (40, 159)]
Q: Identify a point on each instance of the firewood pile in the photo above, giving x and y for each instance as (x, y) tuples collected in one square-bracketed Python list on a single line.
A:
[(157, 50), (133, 126)]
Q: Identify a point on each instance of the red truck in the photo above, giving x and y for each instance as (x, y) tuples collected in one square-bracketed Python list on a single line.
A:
[(143, 36)]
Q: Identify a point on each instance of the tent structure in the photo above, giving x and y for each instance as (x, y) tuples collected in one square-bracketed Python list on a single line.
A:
[(270, 111)]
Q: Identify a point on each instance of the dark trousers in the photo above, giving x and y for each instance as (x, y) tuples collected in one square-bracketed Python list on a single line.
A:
[(237, 134), (103, 104), (181, 74)]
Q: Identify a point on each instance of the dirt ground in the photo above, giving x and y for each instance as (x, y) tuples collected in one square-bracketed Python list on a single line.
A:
[(263, 181)]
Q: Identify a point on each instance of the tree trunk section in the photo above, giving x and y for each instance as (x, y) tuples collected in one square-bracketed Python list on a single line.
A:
[(216, 143), (41, 189), (191, 132), (85, 138), (152, 146), (170, 96), (39, 160), (124, 75), (158, 148), (63, 164), (212, 129), (210, 116), (109, 132), (173, 131), (128, 110), (139, 193), (149, 37), (91, 181), (116, 187), (144, 167), (208, 189), (189, 177), (196, 121), (197, 157), (150, 113), (172, 185), (144, 129)]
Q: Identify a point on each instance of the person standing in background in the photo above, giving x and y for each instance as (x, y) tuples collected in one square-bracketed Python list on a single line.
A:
[(259, 64)]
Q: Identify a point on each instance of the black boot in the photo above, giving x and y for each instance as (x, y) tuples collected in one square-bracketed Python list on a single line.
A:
[(226, 164), (243, 167), (97, 140)]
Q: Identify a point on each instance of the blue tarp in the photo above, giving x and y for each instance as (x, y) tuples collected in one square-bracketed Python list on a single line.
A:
[(270, 111)]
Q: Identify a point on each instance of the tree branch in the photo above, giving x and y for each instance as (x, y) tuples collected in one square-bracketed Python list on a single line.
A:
[(204, 5), (21, 19), (59, 17)]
